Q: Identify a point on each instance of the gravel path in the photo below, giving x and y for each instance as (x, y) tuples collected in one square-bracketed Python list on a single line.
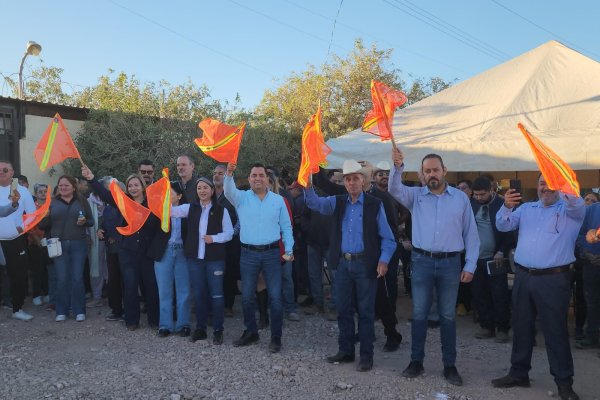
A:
[(96, 359)]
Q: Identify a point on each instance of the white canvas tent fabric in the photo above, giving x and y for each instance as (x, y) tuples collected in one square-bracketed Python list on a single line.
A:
[(553, 90)]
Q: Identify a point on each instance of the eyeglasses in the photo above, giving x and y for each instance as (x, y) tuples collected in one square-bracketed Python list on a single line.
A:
[(382, 173), (146, 172)]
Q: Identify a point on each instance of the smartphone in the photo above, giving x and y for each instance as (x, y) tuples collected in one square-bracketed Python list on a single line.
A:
[(515, 184), (13, 187)]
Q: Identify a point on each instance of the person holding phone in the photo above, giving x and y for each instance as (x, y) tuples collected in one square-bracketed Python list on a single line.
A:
[(548, 229), (490, 286)]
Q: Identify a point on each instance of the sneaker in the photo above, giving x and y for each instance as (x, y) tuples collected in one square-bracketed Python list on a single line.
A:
[(114, 317), (414, 369), (293, 317), (95, 303), (80, 317), (37, 301), (61, 318), (22, 315), (502, 337)]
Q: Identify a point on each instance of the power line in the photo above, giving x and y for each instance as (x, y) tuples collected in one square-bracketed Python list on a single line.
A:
[(333, 29), (189, 39), (448, 32), (277, 21), (571, 44), (367, 34)]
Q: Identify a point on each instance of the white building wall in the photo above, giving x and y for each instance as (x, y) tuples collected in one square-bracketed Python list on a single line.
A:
[(35, 127)]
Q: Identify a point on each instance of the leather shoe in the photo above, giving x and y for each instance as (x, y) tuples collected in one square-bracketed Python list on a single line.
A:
[(414, 369), (340, 358), (365, 365), (566, 392), (218, 338), (198, 334), (392, 343), (162, 332), (275, 344), (246, 339), (185, 332), (510, 381), (452, 376)]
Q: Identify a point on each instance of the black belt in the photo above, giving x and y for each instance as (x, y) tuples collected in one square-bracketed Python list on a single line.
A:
[(436, 255), (261, 247), (544, 271), (352, 256)]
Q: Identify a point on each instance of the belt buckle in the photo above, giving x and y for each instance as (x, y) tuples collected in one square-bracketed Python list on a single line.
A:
[(348, 256)]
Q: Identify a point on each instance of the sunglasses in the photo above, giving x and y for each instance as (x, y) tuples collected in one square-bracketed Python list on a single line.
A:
[(145, 172)]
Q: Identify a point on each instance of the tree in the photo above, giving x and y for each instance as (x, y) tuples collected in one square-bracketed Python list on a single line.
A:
[(45, 84), (342, 86)]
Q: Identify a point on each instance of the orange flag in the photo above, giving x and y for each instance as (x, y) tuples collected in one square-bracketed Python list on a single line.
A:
[(55, 145), (378, 120), (220, 141), (556, 172), (31, 220), (134, 213), (314, 149), (159, 200)]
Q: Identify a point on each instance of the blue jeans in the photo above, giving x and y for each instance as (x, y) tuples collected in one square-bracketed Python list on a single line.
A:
[(206, 279), (443, 275), (355, 287), (70, 290), (173, 268), (287, 286), (251, 264)]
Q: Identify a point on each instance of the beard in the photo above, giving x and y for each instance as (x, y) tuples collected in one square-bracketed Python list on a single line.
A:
[(433, 183)]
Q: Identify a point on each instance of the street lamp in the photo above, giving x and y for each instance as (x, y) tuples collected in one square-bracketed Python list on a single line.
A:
[(33, 49)]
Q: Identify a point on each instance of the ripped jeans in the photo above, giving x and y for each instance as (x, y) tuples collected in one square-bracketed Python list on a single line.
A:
[(206, 281)]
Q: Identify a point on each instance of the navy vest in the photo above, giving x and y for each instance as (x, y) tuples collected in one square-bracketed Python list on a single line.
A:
[(214, 251), (371, 238)]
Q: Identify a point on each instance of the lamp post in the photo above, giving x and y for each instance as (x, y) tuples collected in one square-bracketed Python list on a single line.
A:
[(33, 49)]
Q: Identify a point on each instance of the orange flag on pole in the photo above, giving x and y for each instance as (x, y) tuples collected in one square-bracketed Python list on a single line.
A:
[(314, 149), (220, 141), (379, 119), (159, 200), (31, 220), (134, 213), (55, 145), (556, 172)]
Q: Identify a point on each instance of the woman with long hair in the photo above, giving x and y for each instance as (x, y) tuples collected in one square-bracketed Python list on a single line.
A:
[(135, 265), (208, 229), (170, 267), (67, 219)]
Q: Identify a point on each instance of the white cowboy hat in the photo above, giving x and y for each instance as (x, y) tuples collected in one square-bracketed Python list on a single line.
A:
[(382, 166), (353, 167)]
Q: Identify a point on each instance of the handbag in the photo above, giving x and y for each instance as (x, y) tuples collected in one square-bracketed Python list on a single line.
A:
[(53, 245)]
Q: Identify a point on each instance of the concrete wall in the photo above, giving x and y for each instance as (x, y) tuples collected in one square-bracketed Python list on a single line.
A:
[(35, 127)]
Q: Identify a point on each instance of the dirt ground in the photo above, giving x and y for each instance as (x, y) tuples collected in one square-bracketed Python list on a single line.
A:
[(96, 359)]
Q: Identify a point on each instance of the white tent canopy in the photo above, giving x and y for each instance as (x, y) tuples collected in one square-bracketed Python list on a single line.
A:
[(553, 90)]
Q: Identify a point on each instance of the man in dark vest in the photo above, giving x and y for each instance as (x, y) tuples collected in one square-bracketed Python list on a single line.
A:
[(360, 247)]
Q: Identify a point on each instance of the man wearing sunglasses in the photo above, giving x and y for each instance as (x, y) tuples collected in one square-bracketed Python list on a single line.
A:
[(146, 171), (490, 285)]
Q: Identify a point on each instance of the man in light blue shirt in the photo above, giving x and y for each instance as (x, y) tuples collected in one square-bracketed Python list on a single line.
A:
[(264, 220), (548, 229), (443, 227), (361, 245)]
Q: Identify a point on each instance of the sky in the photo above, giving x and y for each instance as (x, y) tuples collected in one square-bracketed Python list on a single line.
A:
[(248, 46)]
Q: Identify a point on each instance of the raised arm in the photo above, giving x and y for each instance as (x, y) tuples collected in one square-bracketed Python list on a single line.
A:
[(324, 205), (231, 192), (181, 211), (403, 194)]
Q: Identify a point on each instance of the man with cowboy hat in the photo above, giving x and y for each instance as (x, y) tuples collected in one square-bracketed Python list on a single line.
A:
[(360, 247)]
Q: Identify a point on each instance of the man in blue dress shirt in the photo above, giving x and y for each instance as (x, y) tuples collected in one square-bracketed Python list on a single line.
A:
[(443, 227), (548, 229), (360, 247), (264, 219)]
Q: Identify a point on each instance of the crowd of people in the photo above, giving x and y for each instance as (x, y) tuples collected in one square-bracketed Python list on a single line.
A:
[(354, 231)]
